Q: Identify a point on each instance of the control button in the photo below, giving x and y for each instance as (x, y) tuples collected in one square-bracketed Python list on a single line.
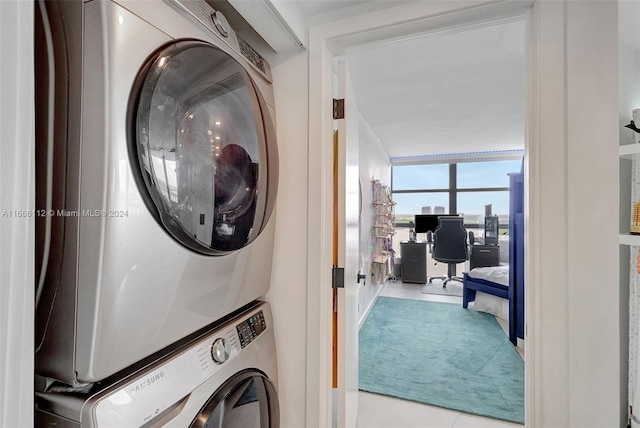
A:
[(219, 351), (251, 55), (221, 23)]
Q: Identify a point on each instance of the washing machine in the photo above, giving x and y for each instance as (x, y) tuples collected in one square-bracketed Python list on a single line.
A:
[(157, 172), (227, 377)]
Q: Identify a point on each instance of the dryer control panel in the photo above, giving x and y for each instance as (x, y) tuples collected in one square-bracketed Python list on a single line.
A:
[(218, 24)]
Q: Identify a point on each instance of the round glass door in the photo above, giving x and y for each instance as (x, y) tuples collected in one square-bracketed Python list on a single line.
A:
[(205, 148), (247, 400)]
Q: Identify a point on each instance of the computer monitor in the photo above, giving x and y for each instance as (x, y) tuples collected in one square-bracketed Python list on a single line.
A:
[(428, 222)]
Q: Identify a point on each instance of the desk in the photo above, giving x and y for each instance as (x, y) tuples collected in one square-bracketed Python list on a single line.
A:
[(414, 261)]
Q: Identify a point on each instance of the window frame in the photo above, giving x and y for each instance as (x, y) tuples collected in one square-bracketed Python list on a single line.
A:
[(452, 189)]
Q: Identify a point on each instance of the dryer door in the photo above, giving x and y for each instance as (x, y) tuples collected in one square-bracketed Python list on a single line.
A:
[(203, 144), (246, 400)]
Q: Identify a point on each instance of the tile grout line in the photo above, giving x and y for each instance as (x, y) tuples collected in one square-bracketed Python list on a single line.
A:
[(456, 421)]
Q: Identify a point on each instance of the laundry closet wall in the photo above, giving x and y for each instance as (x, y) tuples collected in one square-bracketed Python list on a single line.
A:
[(16, 232), (288, 292)]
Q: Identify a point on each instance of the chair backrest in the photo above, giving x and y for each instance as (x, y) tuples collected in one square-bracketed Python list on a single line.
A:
[(450, 240)]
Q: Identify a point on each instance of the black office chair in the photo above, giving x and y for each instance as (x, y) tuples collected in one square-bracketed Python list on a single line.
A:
[(450, 246)]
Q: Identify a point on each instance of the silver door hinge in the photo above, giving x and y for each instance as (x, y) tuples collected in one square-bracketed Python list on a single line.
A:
[(338, 108), (337, 277)]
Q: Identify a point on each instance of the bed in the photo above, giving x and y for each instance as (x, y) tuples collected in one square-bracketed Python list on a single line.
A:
[(506, 282), (494, 281)]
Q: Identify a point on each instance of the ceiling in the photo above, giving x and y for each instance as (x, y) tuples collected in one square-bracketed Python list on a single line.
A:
[(451, 93), (455, 93)]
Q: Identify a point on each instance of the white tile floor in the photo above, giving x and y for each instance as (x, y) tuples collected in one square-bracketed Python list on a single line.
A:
[(378, 411)]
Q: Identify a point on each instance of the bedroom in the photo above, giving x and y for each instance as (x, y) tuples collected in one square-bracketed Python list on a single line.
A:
[(446, 136), (414, 355), (560, 167)]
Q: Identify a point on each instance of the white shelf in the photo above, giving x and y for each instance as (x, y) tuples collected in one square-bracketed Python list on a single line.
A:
[(628, 150), (626, 239)]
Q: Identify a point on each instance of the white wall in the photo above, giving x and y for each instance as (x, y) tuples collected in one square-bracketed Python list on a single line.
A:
[(629, 99), (16, 233), (573, 322), (594, 343), (629, 93), (374, 165), (288, 292)]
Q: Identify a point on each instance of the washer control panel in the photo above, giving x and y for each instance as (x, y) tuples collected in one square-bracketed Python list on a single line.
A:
[(220, 351), (146, 396), (251, 328)]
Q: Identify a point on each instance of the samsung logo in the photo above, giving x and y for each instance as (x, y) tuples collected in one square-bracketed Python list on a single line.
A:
[(146, 382)]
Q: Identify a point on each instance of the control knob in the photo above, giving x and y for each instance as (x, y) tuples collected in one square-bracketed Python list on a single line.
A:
[(221, 23), (219, 351)]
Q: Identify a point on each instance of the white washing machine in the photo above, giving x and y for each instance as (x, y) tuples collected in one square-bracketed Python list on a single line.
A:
[(157, 171), (225, 378)]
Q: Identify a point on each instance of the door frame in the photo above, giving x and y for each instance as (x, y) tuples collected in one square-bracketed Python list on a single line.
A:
[(573, 359), (327, 41)]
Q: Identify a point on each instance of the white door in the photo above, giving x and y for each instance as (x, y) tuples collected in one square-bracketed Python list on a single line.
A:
[(346, 236)]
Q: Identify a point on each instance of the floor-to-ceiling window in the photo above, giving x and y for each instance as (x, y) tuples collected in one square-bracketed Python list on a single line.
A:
[(469, 189)]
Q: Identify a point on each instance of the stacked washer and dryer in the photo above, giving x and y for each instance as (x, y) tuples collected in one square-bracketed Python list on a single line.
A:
[(157, 171)]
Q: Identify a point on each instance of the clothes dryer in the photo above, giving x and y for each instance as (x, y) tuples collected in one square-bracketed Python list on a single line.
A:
[(225, 378), (156, 185)]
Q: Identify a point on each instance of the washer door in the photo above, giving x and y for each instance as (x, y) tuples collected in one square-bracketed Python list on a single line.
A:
[(203, 144), (246, 400)]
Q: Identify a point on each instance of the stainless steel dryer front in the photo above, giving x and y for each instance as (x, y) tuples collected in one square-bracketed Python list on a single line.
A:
[(157, 176)]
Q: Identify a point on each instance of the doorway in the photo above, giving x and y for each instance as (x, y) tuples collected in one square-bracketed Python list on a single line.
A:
[(454, 171), (572, 45), (339, 47)]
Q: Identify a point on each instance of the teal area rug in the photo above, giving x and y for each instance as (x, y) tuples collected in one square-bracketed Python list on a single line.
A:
[(442, 355)]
